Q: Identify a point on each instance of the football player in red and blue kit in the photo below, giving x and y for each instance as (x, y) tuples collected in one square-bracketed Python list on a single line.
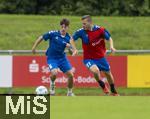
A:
[(94, 51)]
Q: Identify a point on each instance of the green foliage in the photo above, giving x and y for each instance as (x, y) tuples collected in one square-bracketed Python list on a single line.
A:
[(77, 7)]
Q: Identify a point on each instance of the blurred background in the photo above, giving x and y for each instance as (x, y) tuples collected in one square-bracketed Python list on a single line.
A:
[(77, 7)]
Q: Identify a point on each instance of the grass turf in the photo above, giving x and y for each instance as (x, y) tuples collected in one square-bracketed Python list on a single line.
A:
[(18, 32), (80, 91), (93, 107)]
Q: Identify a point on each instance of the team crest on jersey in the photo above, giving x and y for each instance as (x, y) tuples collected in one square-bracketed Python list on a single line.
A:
[(56, 37)]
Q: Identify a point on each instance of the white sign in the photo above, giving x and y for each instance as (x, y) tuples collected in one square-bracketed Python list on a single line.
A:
[(5, 71)]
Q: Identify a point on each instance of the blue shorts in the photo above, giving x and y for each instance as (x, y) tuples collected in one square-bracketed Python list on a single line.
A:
[(62, 63), (101, 63)]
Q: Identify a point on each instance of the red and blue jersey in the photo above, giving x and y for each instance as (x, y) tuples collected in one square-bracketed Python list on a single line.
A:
[(93, 42)]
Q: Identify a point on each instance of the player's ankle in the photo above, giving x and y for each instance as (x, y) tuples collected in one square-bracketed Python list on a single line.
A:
[(101, 84), (52, 83), (113, 89), (69, 90)]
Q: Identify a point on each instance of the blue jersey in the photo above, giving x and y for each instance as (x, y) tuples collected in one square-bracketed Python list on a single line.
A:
[(57, 44)]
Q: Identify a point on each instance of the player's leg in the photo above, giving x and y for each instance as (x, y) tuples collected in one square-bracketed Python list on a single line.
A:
[(110, 79), (90, 64), (70, 82), (66, 67), (53, 73), (105, 67)]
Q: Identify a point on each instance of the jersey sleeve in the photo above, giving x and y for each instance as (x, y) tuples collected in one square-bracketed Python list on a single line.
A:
[(76, 35), (69, 38), (48, 35), (107, 34)]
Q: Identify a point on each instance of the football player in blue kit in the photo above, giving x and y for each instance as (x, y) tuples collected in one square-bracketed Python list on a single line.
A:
[(56, 57)]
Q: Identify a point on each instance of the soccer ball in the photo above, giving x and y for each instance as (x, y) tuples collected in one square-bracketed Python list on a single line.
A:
[(41, 90)]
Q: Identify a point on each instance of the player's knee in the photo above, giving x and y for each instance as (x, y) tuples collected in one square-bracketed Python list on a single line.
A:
[(70, 75), (94, 70), (54, 72)]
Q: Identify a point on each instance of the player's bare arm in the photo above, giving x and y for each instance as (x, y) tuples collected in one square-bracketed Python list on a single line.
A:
[(74, 49), (37, 42), (113, 50)]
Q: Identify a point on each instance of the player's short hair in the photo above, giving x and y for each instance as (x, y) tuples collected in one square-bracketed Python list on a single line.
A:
[(65, 21), (86, 17)]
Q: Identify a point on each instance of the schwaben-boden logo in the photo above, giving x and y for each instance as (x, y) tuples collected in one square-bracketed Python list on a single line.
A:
[(24, 106)]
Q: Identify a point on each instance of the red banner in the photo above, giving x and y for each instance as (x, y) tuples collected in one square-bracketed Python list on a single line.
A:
[(119, 69), (31, 71)]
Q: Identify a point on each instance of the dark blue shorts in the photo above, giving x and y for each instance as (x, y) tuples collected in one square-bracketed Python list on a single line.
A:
[(62, 63), (101, 63)]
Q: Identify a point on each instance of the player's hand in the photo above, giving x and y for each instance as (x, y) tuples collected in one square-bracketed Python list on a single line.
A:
[(74, 52), (68, 45), (113, 50)]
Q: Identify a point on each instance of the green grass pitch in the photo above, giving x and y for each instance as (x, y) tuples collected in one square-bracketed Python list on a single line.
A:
[(98, 92), (100, 107), (134, 103), (80, 91)]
